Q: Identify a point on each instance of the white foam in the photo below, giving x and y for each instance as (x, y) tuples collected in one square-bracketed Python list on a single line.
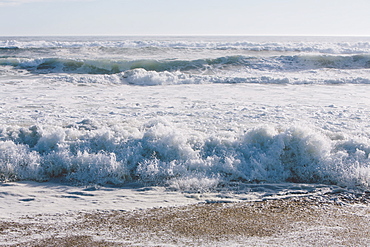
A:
[(335, 45), (141, 77), (31, 198), (164, 155)]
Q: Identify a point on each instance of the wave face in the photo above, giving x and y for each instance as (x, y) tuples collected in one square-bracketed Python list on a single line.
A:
[(158, 153), (298, 69), (275, 63)]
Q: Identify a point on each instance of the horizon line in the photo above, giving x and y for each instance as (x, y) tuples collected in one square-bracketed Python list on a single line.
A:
[(186, 35)]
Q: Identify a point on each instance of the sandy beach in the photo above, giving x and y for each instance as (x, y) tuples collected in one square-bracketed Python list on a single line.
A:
[(296, 221)]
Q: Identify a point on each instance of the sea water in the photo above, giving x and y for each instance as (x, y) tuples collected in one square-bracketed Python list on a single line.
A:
[(185, 113)]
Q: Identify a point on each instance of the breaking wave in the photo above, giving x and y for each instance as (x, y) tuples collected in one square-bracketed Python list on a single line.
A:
[(62, 65), (105, 66), (159, 153), (142, 77), (241, 43), (298, 69)]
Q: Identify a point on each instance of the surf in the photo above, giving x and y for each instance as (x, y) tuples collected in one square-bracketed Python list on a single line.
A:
[(161, 154)]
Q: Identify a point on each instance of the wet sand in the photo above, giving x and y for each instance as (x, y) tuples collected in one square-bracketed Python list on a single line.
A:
[(300, 221)]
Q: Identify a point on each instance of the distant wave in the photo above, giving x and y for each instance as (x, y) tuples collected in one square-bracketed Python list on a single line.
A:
[(230, 63), (105, 66), (142, 77), (310, 47), (159, 153)]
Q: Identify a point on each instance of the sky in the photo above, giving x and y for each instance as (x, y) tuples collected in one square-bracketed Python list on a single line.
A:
[(184, 17)]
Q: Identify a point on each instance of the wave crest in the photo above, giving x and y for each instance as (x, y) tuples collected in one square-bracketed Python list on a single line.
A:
[(199, 66), (161, 154), (242, 43), (307, 69)]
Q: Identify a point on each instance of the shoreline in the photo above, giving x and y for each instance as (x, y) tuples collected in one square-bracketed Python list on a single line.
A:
[(296, 221)]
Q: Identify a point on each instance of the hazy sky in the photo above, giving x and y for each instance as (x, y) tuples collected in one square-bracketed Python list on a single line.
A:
[(179, 17)]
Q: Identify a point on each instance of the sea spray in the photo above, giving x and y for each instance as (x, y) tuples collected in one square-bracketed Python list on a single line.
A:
[(165, 155)]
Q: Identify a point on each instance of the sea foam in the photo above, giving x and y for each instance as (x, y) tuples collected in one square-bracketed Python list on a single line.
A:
[(297, 69), (161, 154), (336, 45)]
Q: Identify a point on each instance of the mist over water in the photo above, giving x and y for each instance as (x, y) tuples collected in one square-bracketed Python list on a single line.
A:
[(189, 114)]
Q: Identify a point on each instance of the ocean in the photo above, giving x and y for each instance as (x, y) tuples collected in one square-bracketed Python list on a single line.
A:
[(188, 114)]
